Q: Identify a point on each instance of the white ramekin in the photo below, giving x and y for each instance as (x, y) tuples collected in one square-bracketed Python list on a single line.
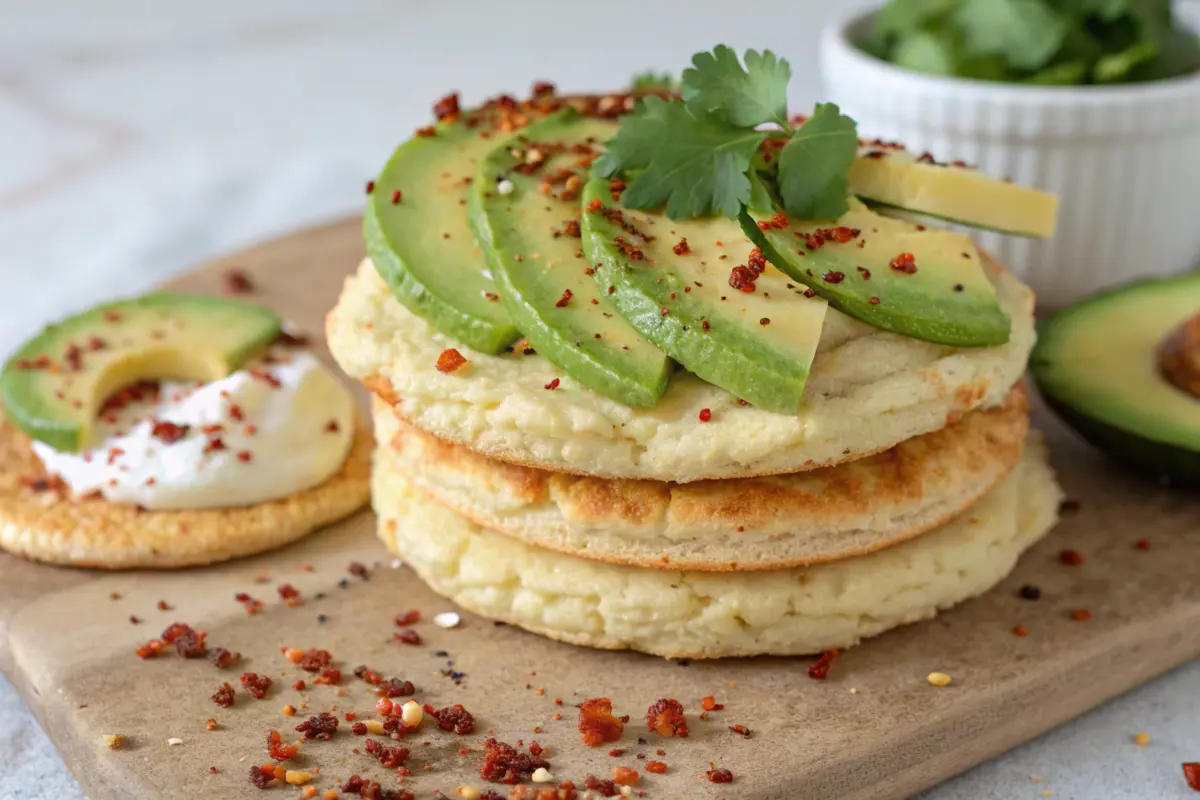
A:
[(1124, 160)]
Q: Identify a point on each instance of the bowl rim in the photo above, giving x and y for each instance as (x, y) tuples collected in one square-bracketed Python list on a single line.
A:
[(837, 37)]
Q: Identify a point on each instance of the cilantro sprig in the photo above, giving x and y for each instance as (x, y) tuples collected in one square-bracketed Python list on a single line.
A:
[(696, 155)]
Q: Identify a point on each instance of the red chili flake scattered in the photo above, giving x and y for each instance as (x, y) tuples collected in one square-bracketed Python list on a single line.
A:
[(244, 455), (370, 790), (820, 670), (666, 718), (315, 660), (905, 263), (359, 729), (450, 360), (407, 636), (597, 722), (299, 685), (287, 591), (503, 764), (718, 774), (1081, 615), (329, 677), (395, 687), (174, 631), (389, 757), (426, 132), (741, 730), (779, 221), (397, 195), (277, 750), (235, 412), (1020, 630), (224, 696), (656, 767), (74, 357), (406, 618), (41, 483), (458, 719), (566, 298), (742, 278), (266, 377), (322, 726), (356, 569), (571, 228), (191, 644), (681, 247), (815, 240), (257, 685), (594, 205), (238, 282), (864, 272), (765, 321), (1191, 774), (705, 414), (604, 788), (625, 776), (542, 88), (710, 704), (552, 385), (1072, 558), (873, 300), (220, 657), (163, 605), (1142, 544), (704, 325), (260, 777), (370, 187), (833, 276)]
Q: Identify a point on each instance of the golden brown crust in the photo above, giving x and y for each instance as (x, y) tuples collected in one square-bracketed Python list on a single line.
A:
[(736, 524), (48, 524)]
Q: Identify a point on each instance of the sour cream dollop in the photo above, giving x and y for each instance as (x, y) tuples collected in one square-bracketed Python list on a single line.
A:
[(264, 432)]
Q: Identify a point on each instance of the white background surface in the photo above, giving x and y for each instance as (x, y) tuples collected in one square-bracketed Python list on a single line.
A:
[(138, 138)]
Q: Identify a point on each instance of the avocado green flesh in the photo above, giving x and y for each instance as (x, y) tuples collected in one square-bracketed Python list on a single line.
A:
[(948, 300), (161, 336), (422, 246), (536, 262), (1097, 362), (764, 363)]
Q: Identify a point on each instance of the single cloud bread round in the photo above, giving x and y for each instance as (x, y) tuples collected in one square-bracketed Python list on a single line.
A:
[(41, 520), (868, 390), (709, 615), (738, 524)]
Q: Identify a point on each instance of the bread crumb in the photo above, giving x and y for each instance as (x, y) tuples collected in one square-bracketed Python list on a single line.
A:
[(939, 679), (114, 741), (1141, 739)]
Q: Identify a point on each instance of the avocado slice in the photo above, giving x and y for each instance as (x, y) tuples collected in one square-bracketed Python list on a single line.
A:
[(757, 345), (925, 283), (53, 386), (421, 243), (889, 176), (1098, 365), (526, 211)]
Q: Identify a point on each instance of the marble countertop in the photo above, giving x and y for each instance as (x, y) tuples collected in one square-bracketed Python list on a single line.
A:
[(138, 137)]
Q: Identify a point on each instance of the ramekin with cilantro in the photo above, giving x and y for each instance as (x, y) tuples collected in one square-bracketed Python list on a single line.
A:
[(1044, 42), (1097, 101)]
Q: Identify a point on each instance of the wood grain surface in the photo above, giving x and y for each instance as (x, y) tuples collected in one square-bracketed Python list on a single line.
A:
[(875, 729)]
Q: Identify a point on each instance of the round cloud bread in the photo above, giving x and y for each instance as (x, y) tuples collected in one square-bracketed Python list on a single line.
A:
[(869, 390), (709, 615), (737, 524), (50, 526)]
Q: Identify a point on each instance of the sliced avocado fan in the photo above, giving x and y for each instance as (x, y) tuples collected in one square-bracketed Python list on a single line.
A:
[(525, 206), (417, 234), (671, 279), (925, 283), (52, 388)]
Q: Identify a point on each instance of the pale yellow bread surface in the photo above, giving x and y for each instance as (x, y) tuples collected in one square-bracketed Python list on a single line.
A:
[(709, 615), (737, 524), (50, 525), (868, 390)]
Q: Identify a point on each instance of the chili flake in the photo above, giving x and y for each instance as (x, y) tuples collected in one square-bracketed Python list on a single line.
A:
[(168, 432), (407, 636), (238, 282), (718, 774), (705, 414), (456, 718), (666, 718), (710, 703), (322, 726), (503, 764), (552, 385), (224, 696), (220, 657), (315, 660), (681, 247), (657, 767), (256, 684), (1081, 615), (1191, 774), (451, 361), (388, 757), (905, 263), (604, 788), (741, 730), (1072, 558), (597, 722), (820, 670), (277, 750), (566, 298)]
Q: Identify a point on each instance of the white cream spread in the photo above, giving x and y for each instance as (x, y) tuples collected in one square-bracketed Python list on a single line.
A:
[(270, 430)]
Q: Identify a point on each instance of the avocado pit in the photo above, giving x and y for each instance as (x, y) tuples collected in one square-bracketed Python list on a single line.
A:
[(1179, 357)]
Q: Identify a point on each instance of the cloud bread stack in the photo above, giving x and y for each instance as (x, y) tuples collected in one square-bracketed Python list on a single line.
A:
[(906, 483)]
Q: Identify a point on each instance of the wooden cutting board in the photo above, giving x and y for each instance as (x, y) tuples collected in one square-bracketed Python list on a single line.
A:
[(875, 729)]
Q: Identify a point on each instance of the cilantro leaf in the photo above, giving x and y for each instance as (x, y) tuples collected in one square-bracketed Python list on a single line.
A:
[(695, 166), (813, 165), (716, 84), (1026, 32), (653, 80)]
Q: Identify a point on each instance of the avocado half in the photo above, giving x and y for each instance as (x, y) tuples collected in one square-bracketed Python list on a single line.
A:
[(1097, 363)]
